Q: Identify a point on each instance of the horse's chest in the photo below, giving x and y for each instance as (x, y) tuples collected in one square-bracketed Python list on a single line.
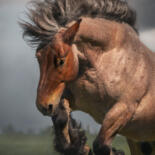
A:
[(88, 98)]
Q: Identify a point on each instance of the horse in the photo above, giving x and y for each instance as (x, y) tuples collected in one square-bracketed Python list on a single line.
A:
[(90, 54)]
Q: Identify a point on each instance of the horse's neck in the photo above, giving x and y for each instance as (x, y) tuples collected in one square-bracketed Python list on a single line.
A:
[(97, 30), (126, 47)]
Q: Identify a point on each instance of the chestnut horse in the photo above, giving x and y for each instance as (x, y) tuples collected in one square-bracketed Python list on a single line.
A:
[(89, 53)]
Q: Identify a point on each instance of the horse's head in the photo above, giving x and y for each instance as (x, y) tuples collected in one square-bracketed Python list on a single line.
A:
[(58, 65)]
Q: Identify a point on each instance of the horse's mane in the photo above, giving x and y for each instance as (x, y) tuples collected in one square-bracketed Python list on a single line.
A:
[(48, 16)]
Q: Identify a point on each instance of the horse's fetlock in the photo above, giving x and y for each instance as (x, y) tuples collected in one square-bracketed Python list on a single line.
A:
[(100, 149)]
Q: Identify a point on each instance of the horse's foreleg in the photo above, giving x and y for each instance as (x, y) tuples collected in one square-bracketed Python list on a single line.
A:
[(120, 114), (61, 126), (69, 138)]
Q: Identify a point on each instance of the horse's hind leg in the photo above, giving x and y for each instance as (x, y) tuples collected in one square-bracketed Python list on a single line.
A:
[(141, 148)]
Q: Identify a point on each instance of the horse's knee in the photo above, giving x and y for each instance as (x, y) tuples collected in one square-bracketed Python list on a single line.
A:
[(61, 117), (60, 120)]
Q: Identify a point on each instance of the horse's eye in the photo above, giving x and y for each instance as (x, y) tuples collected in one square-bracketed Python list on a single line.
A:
[(59, 61)]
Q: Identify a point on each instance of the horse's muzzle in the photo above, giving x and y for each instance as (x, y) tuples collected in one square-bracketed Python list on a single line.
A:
[(46, 111), (48, 103)]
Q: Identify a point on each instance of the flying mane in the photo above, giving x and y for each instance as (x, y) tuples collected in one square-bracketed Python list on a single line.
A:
[(48, 16)]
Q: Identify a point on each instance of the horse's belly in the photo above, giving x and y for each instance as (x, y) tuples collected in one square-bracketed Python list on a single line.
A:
[(92, 107), (142, 126), (87, 99)]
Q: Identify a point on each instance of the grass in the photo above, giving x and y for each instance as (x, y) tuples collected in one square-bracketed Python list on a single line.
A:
[(26, 145), (20, 144), (120, 143)]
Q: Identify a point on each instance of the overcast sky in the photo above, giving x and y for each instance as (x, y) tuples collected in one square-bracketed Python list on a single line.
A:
[(145, 12), (19, 71)]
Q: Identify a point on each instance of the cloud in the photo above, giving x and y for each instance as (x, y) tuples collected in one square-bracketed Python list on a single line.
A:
[(145, 13), (148, 38)]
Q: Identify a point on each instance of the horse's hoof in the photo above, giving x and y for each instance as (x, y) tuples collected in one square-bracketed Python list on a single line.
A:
[(99, 149), (117, 152)]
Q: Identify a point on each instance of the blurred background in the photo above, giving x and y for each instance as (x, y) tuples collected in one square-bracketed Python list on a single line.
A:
[(19, 75)]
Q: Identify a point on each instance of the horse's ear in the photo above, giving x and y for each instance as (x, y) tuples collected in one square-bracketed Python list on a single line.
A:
[(70, 33)]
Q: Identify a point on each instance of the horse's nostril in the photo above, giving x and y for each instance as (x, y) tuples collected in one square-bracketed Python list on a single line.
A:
[(50, 107), (42, 109)]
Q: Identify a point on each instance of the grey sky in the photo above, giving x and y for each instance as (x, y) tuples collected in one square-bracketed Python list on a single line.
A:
[(145, 12), (19, 71)]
